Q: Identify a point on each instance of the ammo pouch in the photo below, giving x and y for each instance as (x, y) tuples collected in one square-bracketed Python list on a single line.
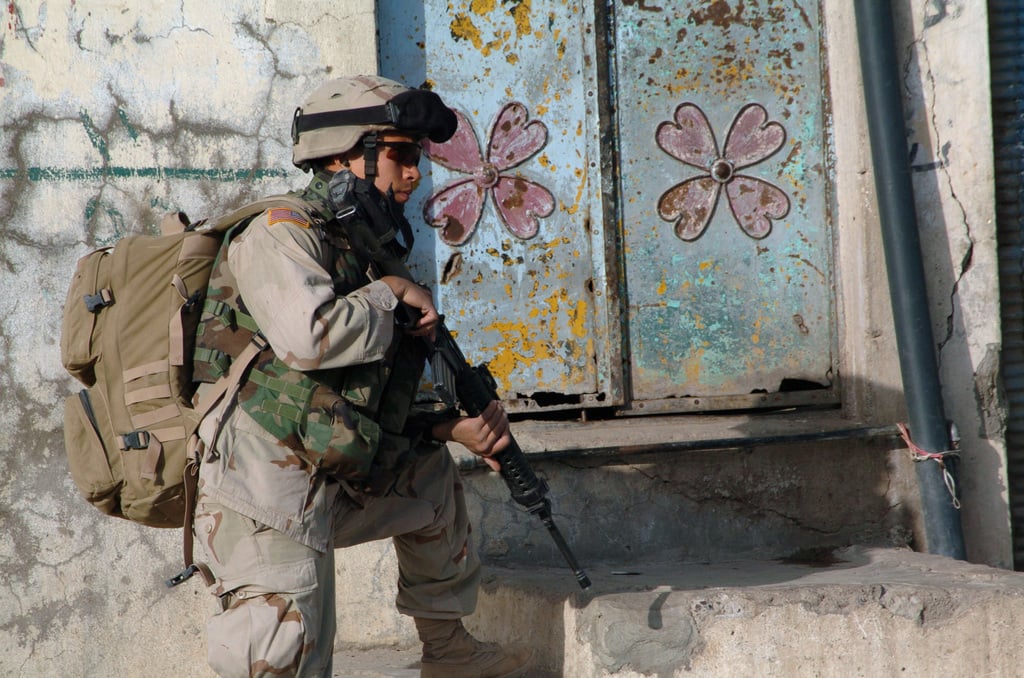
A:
[(337, 438), (338, 434), (323, 427)]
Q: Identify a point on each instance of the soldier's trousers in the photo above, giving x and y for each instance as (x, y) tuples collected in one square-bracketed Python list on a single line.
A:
[(277, 596)]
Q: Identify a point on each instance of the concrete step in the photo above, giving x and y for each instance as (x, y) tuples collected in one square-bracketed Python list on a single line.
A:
[(856, 611), (377, 663)]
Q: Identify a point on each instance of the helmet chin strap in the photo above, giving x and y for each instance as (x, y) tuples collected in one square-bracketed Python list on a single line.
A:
[(370, 155)]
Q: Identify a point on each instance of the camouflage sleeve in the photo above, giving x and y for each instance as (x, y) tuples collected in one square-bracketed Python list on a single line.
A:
[(282, 272)]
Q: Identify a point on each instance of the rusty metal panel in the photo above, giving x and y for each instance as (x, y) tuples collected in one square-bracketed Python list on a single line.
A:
[(515, 240), (725, 202)]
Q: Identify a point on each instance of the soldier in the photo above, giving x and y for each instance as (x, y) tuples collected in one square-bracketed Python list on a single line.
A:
[(323, 447)]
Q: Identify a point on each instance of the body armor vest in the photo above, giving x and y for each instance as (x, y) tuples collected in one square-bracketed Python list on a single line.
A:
[(348, 422)]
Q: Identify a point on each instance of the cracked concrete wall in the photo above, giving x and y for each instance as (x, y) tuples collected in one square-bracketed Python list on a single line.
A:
[(948, 108), (942, 47), (709, 506), (113, 113)]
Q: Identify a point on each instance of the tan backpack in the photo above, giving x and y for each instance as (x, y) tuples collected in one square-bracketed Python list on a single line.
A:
[(128, 333)]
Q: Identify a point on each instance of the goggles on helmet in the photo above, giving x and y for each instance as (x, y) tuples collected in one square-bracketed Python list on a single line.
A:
[(415, 110)]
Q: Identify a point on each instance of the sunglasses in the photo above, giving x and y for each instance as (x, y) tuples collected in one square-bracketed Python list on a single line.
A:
[(403, 152)]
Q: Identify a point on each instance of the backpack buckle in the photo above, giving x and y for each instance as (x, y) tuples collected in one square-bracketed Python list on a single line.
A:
[(259, 341), (96, 302), (134, 440), (182, 576)]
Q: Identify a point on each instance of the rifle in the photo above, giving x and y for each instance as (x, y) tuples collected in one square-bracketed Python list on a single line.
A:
[(460, 383), (474, 388)]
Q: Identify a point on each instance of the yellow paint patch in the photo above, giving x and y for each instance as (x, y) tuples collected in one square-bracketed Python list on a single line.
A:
[(482, 7), (692, 365), (578, 319), (519, 348), (580, 189), (755, 337), (551, 244), (526, 344), (463, 28), (521, 16)]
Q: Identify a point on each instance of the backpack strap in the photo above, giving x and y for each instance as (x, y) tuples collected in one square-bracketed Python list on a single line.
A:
[(228, 221), (191, 485), (225, 387)]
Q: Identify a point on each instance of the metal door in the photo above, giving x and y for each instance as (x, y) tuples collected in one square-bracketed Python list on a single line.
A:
[(636, 210), (725, 201), (517, 249)]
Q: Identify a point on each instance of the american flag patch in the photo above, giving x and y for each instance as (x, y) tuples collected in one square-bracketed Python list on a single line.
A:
[(282, 215)]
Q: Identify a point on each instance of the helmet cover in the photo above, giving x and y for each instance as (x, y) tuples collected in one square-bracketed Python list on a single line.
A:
[(340, 112)]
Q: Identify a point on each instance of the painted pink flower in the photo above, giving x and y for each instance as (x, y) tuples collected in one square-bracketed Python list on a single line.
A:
[(751, 139), (456, 207)]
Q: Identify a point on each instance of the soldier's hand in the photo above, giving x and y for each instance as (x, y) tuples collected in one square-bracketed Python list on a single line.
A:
[(419, 301), (484, 436)]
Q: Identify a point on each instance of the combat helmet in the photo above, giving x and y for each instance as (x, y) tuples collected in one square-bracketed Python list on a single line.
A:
[(348, 111)]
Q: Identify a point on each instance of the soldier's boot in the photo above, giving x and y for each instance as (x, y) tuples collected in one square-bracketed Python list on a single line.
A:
[(449, 651)]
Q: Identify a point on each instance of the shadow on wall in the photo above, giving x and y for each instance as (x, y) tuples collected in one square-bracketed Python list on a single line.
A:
[(946, 197), (762, 502)]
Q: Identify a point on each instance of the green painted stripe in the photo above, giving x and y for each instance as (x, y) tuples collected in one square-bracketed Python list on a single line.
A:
[(95, 137), (100, 173), (132, 132)]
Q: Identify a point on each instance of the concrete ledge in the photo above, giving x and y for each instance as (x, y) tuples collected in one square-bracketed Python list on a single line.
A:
[(675, 433), (857, 611), (852, 612)]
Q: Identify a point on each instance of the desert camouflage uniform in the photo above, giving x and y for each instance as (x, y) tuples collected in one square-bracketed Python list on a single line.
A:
[(275, 499)]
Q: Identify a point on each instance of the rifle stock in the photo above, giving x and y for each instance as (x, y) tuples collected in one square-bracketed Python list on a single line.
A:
[(474, 388)]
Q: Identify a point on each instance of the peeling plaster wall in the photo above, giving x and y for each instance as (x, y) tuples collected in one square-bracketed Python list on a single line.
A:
[(111, 114), (949, 120), (943, 51)]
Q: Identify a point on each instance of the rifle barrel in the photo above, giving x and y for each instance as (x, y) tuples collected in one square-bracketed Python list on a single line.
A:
[(475, 389), (549, 522)]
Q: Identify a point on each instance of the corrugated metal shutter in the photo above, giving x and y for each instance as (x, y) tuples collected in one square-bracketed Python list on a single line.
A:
[(1006, 34)]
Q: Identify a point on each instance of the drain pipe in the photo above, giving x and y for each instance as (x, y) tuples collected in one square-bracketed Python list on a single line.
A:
[(902, 246)]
